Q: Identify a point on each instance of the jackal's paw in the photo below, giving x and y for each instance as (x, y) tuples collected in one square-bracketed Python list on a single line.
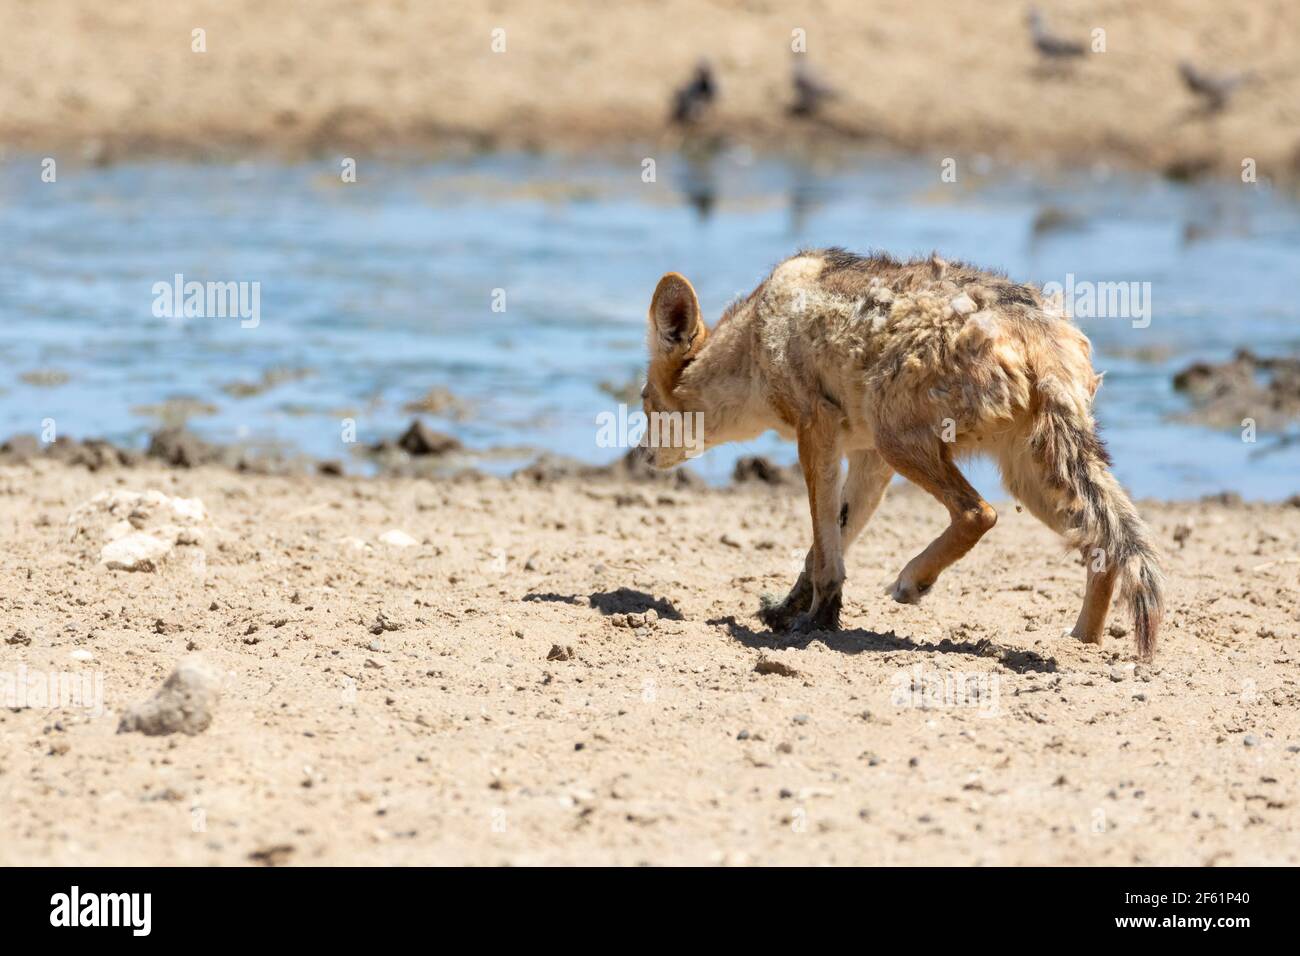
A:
[(803, 624), (908, 592), (778, 616), (1077, 635), (826, 617)]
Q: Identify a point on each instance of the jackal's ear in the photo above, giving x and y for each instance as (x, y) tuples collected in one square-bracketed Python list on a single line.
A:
[(675, 321)]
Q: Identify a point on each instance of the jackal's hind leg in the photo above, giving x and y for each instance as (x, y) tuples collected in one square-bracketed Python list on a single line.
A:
[(928, 463), (1025, 480), (1091, 625)]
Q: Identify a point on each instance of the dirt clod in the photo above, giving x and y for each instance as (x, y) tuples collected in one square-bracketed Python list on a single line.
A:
[(768, 665), (184, 703)]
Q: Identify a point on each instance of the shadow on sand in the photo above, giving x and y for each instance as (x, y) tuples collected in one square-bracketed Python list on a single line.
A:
[(859, 640), (849, 641), (620, 601)]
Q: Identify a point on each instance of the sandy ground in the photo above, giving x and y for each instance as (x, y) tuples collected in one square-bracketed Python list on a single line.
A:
[(956, 79), (961, 731)]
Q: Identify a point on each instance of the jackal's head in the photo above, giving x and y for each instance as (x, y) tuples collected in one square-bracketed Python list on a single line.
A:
[(677, 333)]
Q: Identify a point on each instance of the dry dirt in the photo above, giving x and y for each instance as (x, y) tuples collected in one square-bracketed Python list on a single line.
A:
[(103, 81), (389, 704)]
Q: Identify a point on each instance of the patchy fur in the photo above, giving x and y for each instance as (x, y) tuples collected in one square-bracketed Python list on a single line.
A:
[(904, 367)]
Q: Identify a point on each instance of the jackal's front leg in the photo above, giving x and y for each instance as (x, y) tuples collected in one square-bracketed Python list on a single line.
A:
[(819, 456), (867, 479)]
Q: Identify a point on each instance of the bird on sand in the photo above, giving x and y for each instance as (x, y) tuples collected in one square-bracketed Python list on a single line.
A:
[(1049, 44), (809, 90), (692, 100), (1213, 89)]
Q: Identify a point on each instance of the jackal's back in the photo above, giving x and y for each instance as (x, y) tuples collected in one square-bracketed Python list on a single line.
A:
[(924, 343)]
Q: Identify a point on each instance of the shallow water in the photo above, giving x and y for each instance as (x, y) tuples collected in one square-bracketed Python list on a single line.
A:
[(376, 291)]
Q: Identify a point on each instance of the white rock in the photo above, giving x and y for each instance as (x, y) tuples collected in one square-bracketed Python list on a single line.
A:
[(118, 529), (138, 529), (398, 539), (135, 552), (1120, 672), (80, 655), (121, 504), (190, 509)]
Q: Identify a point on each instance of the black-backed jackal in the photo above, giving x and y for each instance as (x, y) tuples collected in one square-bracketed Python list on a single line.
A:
[(902, 367)]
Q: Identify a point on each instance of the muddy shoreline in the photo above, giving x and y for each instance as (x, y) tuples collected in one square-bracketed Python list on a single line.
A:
[(408, 455)]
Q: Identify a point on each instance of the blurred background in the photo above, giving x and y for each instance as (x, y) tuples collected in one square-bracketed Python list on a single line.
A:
[(455, 213)]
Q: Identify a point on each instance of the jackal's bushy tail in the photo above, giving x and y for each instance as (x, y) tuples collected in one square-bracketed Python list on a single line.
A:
[(1095, 510)]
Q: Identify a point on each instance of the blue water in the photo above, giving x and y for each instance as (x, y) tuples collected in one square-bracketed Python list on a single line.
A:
[(384, 288)]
